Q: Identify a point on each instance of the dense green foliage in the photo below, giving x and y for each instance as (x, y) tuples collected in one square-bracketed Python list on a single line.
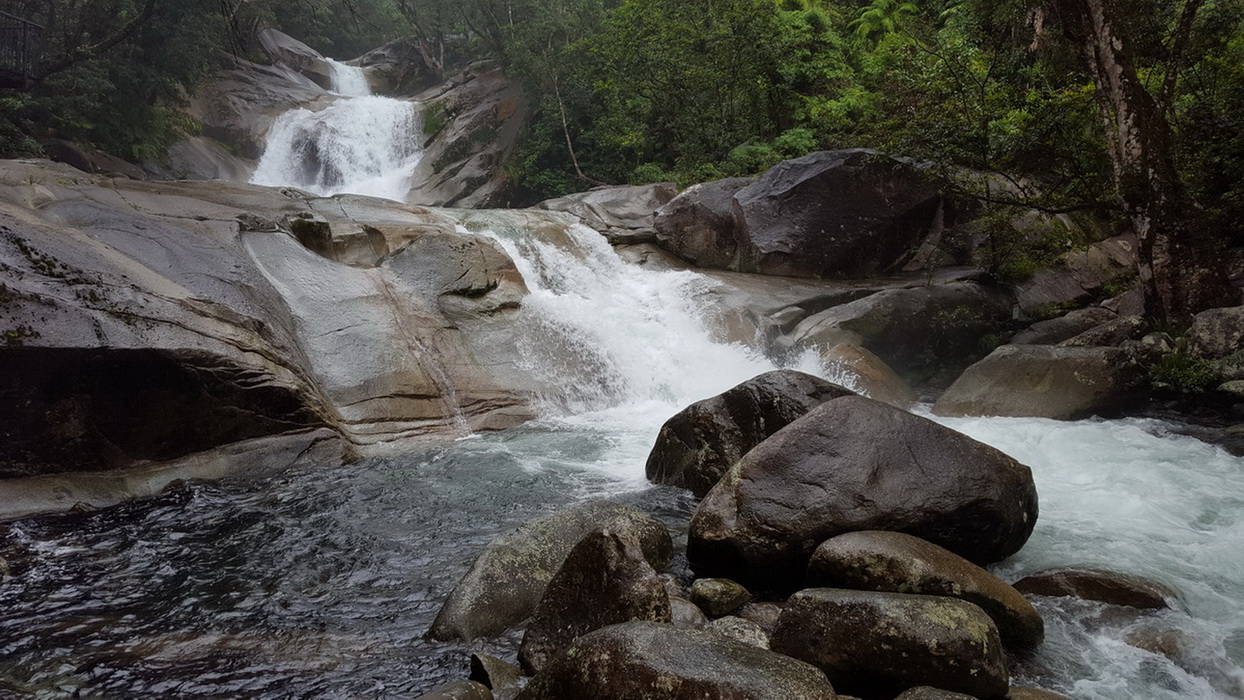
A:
[(647, 90), (114, 74)]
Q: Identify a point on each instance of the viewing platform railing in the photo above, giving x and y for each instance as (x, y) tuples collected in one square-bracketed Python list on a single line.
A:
[(20, 44)]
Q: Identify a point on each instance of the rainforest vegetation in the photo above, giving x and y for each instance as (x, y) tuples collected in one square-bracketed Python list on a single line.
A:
[(690, 90)]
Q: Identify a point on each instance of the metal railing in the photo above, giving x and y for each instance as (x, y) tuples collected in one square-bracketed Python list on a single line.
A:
[(20, 44)]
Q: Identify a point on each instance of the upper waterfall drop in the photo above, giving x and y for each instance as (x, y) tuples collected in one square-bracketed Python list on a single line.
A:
[(349, 81), (358, 144)]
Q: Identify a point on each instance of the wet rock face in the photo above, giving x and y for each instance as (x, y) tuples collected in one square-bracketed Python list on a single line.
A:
[(1101, 586), (623, 214), (605, 580), (80, 409), (1042, 381), (877, 643), (698, 224), (700, 443), (509, 578), (847, 213), (856, 464), (649, 660), (899, 563)]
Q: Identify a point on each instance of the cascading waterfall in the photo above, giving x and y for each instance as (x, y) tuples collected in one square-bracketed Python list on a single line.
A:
[(360, 143)]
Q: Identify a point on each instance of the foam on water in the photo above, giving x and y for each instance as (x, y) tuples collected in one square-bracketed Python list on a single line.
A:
[(362, 144), (349, 81), (1128, 496)]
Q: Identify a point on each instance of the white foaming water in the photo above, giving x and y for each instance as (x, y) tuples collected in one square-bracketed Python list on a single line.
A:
[(349, 81), (1128, 497), (624, 347), (361, 145)]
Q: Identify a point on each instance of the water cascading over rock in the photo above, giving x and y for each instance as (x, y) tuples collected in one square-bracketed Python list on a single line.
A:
[(359, 143)]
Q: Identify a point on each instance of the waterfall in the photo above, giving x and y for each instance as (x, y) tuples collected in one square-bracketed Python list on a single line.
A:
[(360, 143), (349, 81)]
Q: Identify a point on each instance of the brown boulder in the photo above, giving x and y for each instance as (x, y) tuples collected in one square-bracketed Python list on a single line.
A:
[(898, 563), (605, 580), (857, 464), (697, 445), (877, 643), (649, 660), (1101, 586)]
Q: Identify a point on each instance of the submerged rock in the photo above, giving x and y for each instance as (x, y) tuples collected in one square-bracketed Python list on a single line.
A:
[(650, 660), (899, 563), (874, 643), (1101, 586), (507, 581), (1042, 381), (857, 464), (696, 446), (458, 690), (605, 580)]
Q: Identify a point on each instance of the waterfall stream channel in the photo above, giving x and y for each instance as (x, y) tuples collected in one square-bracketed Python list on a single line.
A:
[(322, 583)]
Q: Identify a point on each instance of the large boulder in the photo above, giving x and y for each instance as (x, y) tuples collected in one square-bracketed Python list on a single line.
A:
[(1042, 381), (850, 213), (287, 50), (650, 660), (899, 563), (698, 224), (605, 580), (915, 330), (509, 578), (623, 214), (701, 442), (856, 464), (1079, 276), (1217, 333), (883, 643), (1053, 331)]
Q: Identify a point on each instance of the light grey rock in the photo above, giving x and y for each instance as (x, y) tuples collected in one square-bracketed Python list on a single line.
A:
[(1055, 330), (875, 643), (624, 214), (650, 660), (911, 329), (1042, 381), (686, 615), (509, 578), (1217, 333), (869, 375)]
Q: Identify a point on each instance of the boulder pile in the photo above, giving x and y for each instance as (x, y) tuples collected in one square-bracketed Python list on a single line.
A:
[(838, 549)]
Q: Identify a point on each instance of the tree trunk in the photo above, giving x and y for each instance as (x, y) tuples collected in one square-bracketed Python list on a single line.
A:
[(1179, 260)]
